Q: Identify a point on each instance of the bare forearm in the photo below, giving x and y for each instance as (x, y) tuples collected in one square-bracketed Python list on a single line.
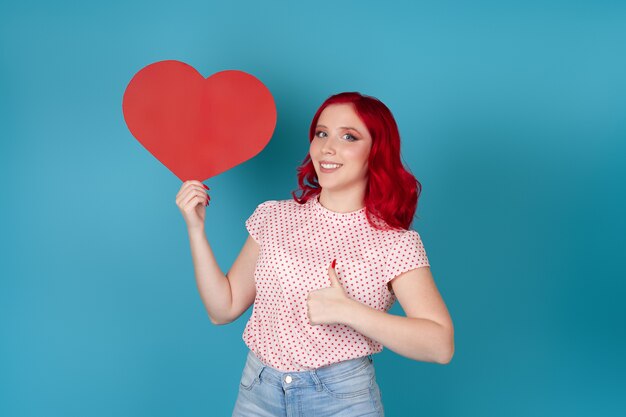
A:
[(213, 285), (416, 338)]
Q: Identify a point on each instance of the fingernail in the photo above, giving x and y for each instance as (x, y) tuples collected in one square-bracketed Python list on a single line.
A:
[(205, 186), (333, 265)]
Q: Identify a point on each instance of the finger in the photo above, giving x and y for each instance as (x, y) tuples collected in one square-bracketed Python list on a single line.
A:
[(191, 205), (191, 192), (188, 196), (334, 281), (332, 274), (188, 185), (196, 182), (189, 188), (332, 265), (195, 198)]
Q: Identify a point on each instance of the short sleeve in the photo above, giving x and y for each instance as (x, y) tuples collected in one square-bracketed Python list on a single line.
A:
[(256, 222), (406, 254)]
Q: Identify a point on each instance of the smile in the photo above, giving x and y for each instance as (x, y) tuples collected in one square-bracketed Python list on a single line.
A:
[(328, 168)]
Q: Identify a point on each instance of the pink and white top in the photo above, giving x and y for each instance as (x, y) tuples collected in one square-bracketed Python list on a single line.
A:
[(297, 244)]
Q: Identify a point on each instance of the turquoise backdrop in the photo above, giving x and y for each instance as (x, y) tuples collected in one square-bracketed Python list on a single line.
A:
[(512, 115)]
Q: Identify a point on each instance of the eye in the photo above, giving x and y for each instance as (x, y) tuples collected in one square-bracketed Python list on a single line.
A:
[(349, 137), (320, 134)]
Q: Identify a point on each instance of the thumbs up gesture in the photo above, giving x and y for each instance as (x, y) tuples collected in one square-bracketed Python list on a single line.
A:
[(327, 305)]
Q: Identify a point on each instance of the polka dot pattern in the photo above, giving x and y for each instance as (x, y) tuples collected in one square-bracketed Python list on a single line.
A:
[(297, 244)]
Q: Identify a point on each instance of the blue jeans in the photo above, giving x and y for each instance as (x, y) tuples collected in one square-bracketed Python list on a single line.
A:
[(345, 388)]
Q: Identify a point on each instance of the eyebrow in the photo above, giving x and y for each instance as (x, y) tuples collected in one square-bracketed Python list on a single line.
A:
[(343, 127)]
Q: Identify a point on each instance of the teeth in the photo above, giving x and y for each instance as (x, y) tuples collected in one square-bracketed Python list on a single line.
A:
[(330, 166)]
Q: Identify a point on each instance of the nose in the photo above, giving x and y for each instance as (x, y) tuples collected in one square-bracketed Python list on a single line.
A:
[(329, 146)]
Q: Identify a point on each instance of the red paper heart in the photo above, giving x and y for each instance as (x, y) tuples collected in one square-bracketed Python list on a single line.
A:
[(198, 127)]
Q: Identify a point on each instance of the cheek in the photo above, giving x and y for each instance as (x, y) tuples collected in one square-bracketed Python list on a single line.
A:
[(313, 146), (359, 155)]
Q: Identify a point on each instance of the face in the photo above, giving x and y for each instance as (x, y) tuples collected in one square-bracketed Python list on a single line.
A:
[(341, 138)]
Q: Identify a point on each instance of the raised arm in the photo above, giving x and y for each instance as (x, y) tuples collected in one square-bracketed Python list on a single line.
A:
[(225, 297)]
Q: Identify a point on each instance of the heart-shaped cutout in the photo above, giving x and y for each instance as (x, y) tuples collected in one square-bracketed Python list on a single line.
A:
[(198, 127)]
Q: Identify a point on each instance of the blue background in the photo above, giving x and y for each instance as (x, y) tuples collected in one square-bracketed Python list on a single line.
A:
[(512, 116)]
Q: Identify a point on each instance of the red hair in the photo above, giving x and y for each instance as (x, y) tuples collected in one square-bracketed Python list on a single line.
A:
[(392, 191)]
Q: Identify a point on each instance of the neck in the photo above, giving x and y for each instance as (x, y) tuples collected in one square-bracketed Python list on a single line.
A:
[(342, 201)]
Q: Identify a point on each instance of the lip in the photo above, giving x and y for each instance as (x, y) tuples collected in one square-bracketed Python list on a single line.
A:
[(328, 171)]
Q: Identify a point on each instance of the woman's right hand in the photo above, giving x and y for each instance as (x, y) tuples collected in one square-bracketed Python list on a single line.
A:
[(192, 198)]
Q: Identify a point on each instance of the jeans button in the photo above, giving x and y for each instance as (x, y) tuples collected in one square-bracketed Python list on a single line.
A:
[(288, 379)]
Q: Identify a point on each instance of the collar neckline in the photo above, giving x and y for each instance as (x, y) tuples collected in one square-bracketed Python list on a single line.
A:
[(333, 214)]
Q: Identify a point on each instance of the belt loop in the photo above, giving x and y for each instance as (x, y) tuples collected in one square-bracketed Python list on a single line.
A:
[(316, 379), (370, 358), (259, 370)]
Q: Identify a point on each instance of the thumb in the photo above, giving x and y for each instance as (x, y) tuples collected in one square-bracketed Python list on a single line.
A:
[(334, 279)]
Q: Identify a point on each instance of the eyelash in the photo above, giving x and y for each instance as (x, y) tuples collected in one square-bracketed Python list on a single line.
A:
[(354, 138)]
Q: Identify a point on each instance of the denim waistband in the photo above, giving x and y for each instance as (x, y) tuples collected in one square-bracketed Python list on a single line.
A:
[(293, 379)]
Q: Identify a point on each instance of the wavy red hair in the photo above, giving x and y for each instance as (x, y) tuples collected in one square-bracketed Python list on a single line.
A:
[(392, 191)]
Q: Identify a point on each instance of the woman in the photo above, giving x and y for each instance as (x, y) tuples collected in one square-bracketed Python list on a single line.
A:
[(315, 323)]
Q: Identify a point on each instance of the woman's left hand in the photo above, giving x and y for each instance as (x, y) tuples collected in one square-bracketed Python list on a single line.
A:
[(327, 305)]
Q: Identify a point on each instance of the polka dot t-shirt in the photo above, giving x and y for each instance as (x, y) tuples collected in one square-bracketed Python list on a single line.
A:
[(297, 244)]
